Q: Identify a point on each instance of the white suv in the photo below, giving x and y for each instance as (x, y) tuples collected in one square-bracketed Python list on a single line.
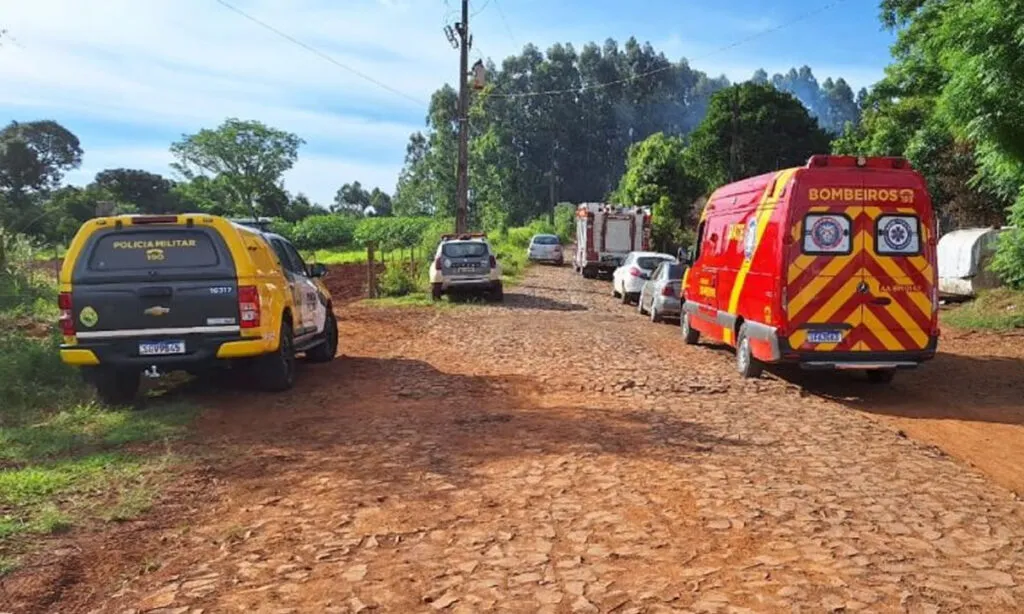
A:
[(465, 264)]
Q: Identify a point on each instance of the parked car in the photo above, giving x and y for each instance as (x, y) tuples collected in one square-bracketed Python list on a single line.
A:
[(188, 292), (799, 266), (629, 279), (660, 295), (545, 248), (465, 264)]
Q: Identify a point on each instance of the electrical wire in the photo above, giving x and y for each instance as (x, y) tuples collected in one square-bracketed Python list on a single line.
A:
[(733, 45), (508, 29), (319, 53), (481, 9)]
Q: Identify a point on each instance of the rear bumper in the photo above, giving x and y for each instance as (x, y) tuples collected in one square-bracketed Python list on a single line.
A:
[(200, 350), (667, 305), (469, 284)]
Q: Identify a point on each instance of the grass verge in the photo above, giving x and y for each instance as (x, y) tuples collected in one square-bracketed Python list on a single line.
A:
[(1000, 309)]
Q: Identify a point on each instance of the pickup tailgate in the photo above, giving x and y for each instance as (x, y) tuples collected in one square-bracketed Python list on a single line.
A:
[(154, 281)]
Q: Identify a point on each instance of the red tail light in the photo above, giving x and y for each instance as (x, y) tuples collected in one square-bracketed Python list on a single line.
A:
[(67, 319), (668, 291), (249, 307), (636, 272), (494, 262), (438, 264)]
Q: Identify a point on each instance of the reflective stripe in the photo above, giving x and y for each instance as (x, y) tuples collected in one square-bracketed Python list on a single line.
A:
[(148, 332)]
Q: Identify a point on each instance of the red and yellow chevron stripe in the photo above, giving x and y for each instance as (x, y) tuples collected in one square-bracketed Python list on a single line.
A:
[(896, 313)]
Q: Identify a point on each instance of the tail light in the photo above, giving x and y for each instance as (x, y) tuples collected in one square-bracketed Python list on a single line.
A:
[(494, 262), (438, 264), (636, 272), (67, 320), (249, 306), (668, 291)]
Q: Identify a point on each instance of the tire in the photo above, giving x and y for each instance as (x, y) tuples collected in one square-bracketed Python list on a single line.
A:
[(625, 297), (115, 386), (691, 336), (615, 292), (655, 316), (325, 351), (748, 366), (436, 291), (277, 370), (497, 294), (881, 376), (640, 306), (588, 273)]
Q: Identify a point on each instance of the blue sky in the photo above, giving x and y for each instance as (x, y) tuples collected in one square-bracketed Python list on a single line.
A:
[(130, 76)]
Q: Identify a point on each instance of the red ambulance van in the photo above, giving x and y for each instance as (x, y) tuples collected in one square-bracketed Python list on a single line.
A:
[(831, 266)]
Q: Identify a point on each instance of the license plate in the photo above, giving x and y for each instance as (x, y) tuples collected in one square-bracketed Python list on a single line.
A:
[(825, 336), (465, 269), (161, 348)]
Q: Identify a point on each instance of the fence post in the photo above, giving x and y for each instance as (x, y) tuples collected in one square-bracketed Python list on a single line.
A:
[(371, 269)]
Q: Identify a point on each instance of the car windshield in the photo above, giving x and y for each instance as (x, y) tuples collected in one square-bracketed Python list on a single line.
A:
[(469, 249), (649, 263), (545, 240)]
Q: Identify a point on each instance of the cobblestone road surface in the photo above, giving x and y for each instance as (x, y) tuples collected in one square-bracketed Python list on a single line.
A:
[(561, 454)]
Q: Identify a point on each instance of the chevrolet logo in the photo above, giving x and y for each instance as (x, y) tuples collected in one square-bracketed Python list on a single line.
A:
[(157, 310)]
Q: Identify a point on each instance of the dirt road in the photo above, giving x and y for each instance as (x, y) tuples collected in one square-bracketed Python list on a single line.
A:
[(561, 454)]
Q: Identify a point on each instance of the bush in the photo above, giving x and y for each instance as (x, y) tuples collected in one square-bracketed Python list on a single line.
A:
[(322, 231), (391, 233), (398, 280), (565, 222), (33, 378)]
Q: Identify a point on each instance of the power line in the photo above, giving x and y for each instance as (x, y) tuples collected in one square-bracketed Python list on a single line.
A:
[(316, 51), (501, 14), (733, 45), (481, 9)]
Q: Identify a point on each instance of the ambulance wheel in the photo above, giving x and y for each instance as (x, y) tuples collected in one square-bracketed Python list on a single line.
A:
[(881, 376), (691, 336), (748, 366)]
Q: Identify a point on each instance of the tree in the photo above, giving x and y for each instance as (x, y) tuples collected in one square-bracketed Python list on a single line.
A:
[(33, 159), (381, 202), (351, 199), (657, 176), (150, 192), (752, 129), (248, 158)]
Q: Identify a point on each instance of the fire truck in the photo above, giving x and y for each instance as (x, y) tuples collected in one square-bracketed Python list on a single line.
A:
[(605, 234)]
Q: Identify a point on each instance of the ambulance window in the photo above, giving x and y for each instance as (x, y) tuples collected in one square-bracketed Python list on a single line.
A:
[(698, 242), (827, 234), (897, 235)]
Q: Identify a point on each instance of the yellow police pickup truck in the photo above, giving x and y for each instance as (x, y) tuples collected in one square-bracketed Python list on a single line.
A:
[(189, 292)]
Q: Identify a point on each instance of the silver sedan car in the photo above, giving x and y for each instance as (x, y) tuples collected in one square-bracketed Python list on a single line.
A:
[(660, 296)]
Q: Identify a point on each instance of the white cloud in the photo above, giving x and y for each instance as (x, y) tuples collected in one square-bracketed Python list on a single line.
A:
[(126, 73)]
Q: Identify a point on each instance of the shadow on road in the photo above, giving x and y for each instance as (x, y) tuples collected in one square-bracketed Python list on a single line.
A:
[(950, 387), (517, 300)]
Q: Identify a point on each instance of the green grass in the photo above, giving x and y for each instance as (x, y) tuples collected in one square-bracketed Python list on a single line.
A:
[(1001, 309), (350, 256), (416, 299), (7, 565), (90, 427)]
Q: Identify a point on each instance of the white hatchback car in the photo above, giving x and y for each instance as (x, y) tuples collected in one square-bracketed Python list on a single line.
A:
[(545, 248), (628, 280), (465, 265)]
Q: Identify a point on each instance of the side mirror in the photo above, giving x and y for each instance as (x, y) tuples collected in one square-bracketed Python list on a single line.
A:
[(317, 270)]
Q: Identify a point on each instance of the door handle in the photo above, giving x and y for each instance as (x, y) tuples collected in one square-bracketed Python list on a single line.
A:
[(881, 300), (155, 292)]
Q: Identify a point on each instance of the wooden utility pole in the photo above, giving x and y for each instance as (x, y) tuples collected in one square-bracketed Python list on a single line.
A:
[(462, 194)]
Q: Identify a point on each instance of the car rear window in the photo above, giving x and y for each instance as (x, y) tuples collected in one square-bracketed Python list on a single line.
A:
[(545, 240), (473, 249), (649, 263), (128, 251), (675, 271)]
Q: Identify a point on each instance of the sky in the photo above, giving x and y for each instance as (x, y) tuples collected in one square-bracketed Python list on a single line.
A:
[(129, 77)]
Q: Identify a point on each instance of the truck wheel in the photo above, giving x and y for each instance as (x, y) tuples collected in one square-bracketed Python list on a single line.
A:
[(881, 376), (435, 292), (277, 370), (329, 347), (691, 336), (748, 366), (116, 386)]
